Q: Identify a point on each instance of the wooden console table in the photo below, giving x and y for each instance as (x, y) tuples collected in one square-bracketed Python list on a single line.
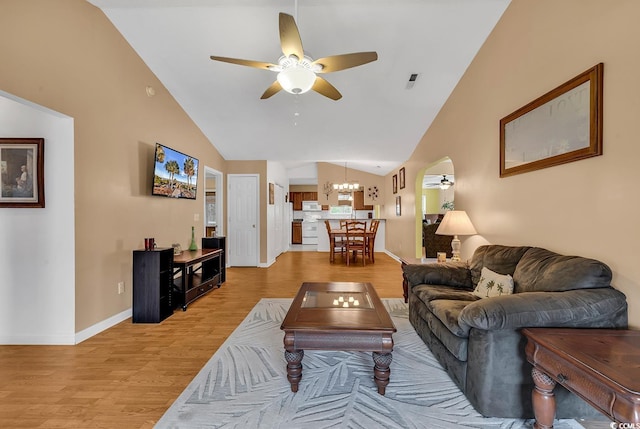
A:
[(602, 366), (201, 270)]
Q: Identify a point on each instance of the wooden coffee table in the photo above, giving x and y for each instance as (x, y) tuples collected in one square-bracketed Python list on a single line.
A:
[(338, 316), (602, 366)]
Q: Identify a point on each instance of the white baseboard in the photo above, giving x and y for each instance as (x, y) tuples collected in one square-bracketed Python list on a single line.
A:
[(101, 326), (392, 255), (38, 340), (66, 339), (267, 265)]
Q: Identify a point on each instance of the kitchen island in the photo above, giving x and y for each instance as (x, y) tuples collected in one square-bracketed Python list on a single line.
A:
[(323, 236)]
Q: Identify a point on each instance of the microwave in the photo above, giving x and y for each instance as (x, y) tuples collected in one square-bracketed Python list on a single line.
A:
[(311, 206)]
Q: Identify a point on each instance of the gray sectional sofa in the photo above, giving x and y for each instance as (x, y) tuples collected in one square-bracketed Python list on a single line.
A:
[(477, 338)]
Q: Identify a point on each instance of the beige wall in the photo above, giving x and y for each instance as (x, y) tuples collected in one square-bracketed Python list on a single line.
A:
[(329, 173), (67, 56), (587, 207), (303, 188)]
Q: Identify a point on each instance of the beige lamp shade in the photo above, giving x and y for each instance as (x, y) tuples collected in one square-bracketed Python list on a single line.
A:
[(456, 222)]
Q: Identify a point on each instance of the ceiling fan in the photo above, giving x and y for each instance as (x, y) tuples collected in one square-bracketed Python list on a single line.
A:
[(297, 72), (431, 181), (445, 183)]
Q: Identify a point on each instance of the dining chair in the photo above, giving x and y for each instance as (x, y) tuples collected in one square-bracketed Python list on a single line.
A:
[(338, 243), (371, 239), (356, 240)]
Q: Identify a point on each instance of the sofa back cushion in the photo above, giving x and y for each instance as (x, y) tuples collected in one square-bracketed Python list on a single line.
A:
[(541, 270), (497, 258)]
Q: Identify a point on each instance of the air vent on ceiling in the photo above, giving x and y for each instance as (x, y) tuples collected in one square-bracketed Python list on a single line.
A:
[(412, 80)]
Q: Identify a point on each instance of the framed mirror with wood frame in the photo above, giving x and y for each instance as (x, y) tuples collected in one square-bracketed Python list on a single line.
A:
[(563, 125)]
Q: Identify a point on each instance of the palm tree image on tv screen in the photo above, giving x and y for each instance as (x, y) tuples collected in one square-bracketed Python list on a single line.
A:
[(175, 174)]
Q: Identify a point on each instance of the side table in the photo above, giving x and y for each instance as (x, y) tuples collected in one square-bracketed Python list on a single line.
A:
[(602, 366), (412, 261)]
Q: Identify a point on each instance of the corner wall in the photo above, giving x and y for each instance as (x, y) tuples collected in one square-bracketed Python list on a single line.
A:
[(36, 246)]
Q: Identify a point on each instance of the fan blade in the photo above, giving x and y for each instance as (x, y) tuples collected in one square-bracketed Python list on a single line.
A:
[(249, 63), (345, 61), (274, 88), (323, 87), (290, 37)]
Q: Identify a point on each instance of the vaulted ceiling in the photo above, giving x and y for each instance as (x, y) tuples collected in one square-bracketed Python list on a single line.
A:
[(377, 123)]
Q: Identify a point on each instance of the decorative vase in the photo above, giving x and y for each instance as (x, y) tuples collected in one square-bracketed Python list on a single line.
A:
[(193, 245)]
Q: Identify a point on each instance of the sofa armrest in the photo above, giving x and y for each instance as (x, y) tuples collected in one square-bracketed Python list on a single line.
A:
[(580, 308), (450, 274)]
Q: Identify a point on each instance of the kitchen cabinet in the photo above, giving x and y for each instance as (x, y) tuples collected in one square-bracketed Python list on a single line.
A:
[(296, 232), (296, 199), (309, 196), (358, 201)]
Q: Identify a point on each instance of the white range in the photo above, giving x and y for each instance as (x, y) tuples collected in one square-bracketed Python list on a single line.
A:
[(310, 228)]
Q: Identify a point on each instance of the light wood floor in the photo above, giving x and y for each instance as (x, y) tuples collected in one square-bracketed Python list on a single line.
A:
[(127, 376)]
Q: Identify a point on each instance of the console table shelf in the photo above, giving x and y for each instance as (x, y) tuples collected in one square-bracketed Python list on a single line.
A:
[(200, 271), (163, 281)]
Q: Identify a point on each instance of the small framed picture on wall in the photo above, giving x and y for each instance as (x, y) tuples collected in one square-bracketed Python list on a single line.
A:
[(398, 206), (402, 178), (395, 183), (22, 172)]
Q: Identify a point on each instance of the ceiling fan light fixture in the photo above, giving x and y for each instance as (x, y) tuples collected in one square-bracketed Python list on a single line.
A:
[(445, 183), (296, 71), (296, 80)]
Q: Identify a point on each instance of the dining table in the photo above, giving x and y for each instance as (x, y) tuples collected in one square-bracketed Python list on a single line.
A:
[(342, 233)]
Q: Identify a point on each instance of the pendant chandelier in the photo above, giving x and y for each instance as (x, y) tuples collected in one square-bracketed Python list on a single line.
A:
[(346, 186)]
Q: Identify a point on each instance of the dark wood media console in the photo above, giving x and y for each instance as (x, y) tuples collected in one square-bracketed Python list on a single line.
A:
[(163, 281), (217, 242), (152, 285), (200, 271)]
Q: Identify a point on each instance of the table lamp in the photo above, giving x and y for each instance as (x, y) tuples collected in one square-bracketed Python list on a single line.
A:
[(456, 222)]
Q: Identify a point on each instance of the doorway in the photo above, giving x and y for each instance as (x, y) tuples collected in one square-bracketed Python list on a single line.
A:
[(436, 184), (213, 200)]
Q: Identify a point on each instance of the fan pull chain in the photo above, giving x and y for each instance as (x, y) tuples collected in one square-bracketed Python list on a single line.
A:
[(296, 114)]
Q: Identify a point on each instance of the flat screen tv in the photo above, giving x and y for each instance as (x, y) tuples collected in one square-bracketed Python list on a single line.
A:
[(175, 174)]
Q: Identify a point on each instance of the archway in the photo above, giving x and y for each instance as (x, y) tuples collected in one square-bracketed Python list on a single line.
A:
[(431, 199)]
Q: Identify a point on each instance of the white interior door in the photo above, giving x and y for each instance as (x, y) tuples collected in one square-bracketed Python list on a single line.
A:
[(243, 220)]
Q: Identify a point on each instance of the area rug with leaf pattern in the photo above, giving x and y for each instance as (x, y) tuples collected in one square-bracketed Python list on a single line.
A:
[(244, 385)]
